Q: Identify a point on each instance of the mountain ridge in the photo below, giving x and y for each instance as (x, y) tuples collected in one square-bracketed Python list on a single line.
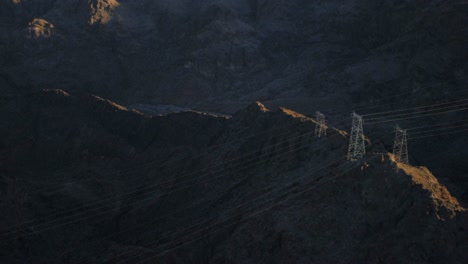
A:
[(172, 171)]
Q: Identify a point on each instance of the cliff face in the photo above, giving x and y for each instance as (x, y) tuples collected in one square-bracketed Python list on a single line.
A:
[(85, 180)]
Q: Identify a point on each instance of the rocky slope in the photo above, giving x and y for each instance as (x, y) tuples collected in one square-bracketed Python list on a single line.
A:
[(219, 54), (85, 180)]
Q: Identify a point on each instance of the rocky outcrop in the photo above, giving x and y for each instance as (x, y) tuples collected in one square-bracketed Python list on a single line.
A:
[(40, 28)]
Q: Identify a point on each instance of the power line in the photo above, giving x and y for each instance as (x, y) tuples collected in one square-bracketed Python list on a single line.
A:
[(317, 178), (417, 112), (418, 96), (221, 163), (206, 153), (103, 206), (146, 199), (370, 123), (220, 222), (389, 116), (189, 227), (419, 107), (291, 184), (436, 125), (440, 134), (252, 135), (253, 214), (393, 120), (456, 91), (438, 129), (157, 185)]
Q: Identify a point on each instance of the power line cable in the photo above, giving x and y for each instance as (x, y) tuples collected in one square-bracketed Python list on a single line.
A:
[(144, 193), (456, 91), (137, 202), (439, 134), (419, 116), (221, 163), (419, 111), (253, 214), (446, 100), (271, 199), (221, 221), (436, 125), (206, 153), (287, 186), (438, 129)]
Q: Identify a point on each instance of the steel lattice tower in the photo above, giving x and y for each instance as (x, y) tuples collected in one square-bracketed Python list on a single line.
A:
[(357, 147), (400, 146), (320, 127)]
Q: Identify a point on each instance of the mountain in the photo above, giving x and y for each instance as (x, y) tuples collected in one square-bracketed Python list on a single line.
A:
[(113, 102), (86, 180), (219, 55)]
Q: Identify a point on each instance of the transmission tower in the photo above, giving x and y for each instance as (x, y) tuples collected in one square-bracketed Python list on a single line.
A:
[(357, 148), (400, 146), (320, 127)]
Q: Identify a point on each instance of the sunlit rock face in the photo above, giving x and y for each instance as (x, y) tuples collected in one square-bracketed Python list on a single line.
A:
[(101, 11), (39, 28)]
